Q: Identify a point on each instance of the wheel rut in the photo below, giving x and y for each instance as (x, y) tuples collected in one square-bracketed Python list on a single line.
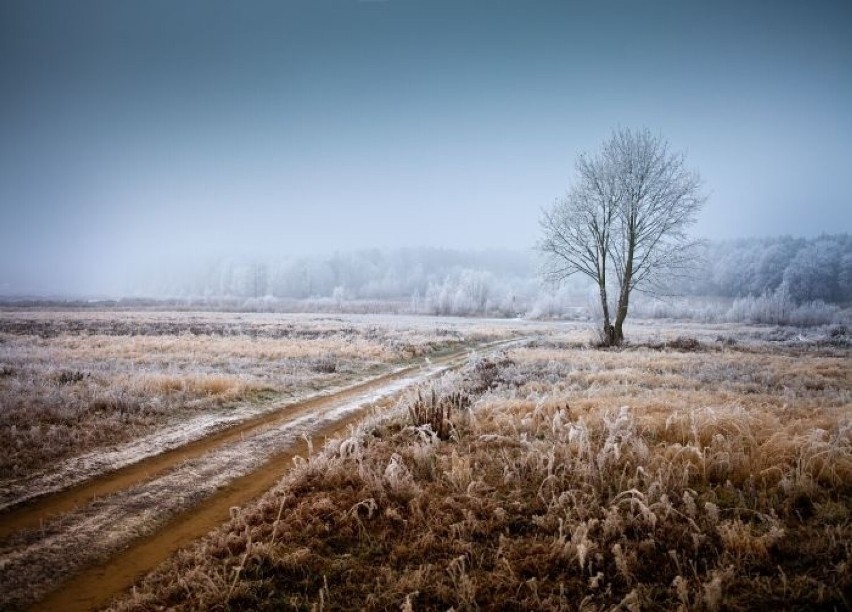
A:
[(107, 532)]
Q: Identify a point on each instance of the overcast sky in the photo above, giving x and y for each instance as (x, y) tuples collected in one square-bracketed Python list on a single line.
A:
[(142, 131)]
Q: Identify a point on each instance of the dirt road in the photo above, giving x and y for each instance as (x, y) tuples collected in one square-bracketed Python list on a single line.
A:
[(107, 531)]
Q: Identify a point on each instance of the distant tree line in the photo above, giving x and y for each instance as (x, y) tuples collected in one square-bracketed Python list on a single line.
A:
[(501, 282), (437, 281), (806, 269)]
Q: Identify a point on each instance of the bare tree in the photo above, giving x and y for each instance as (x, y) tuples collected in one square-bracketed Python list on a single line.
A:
[(578, 229), (626, 216)]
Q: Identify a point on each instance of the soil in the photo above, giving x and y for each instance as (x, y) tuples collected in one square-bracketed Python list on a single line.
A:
[(111, 527)]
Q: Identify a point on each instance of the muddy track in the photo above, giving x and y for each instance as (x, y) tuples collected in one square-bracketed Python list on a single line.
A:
[(122, 524), (32, 513)]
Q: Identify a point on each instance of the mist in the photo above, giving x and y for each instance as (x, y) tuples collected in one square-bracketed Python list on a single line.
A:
[(145, 148)]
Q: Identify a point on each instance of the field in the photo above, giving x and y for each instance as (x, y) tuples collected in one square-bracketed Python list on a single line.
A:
[(699, 467), (72, 382), (116, 422)]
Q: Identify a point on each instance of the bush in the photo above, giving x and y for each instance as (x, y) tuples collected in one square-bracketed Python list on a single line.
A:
[(685, 344), (326, 364), (67, 377), (779, 308)]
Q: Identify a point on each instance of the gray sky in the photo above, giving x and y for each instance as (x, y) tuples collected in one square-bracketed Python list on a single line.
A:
[(160, 130)]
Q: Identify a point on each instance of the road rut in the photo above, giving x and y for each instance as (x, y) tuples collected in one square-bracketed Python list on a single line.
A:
[(116, 527)]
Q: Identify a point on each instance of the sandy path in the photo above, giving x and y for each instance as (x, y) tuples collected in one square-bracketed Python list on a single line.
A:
[(124, 523)]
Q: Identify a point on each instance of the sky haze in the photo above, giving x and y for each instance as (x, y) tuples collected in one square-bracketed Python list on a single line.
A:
[(157, 131)]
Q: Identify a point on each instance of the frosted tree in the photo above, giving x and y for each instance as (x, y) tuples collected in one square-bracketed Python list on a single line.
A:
[(624, 221), (813, 274)]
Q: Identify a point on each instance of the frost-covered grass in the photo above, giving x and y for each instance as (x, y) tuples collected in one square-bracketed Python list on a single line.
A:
[(669, 475), (76, 381)]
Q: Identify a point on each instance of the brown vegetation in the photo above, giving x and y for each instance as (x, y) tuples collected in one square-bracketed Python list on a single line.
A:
[(76, 381), (695, 477)]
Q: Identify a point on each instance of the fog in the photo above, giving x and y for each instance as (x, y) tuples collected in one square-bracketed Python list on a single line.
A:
[(442, 281), (147, 147)]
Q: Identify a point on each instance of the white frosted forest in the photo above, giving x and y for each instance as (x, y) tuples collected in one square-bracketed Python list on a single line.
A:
[(799, 281)]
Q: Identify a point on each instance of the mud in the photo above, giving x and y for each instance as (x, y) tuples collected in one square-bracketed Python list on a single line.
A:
[(113, 528)]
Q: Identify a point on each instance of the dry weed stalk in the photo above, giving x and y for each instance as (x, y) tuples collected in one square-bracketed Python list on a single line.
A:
[(437, 410)]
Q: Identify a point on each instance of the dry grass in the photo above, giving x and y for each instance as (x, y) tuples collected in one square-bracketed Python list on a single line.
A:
[(77, 381), (647, 478)]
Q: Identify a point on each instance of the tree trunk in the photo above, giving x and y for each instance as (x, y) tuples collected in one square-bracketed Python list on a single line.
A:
[(620, 316), (624, 294), (608, 332), (609, 335)]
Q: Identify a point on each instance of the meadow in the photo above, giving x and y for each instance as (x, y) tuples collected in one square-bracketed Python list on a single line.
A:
[(78, 381), (699, 467)]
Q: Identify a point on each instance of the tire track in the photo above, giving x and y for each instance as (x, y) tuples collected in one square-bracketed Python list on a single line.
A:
[(145, 512), (34, 513)]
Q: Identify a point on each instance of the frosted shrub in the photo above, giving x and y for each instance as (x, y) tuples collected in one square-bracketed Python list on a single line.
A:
[(779, 308)]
